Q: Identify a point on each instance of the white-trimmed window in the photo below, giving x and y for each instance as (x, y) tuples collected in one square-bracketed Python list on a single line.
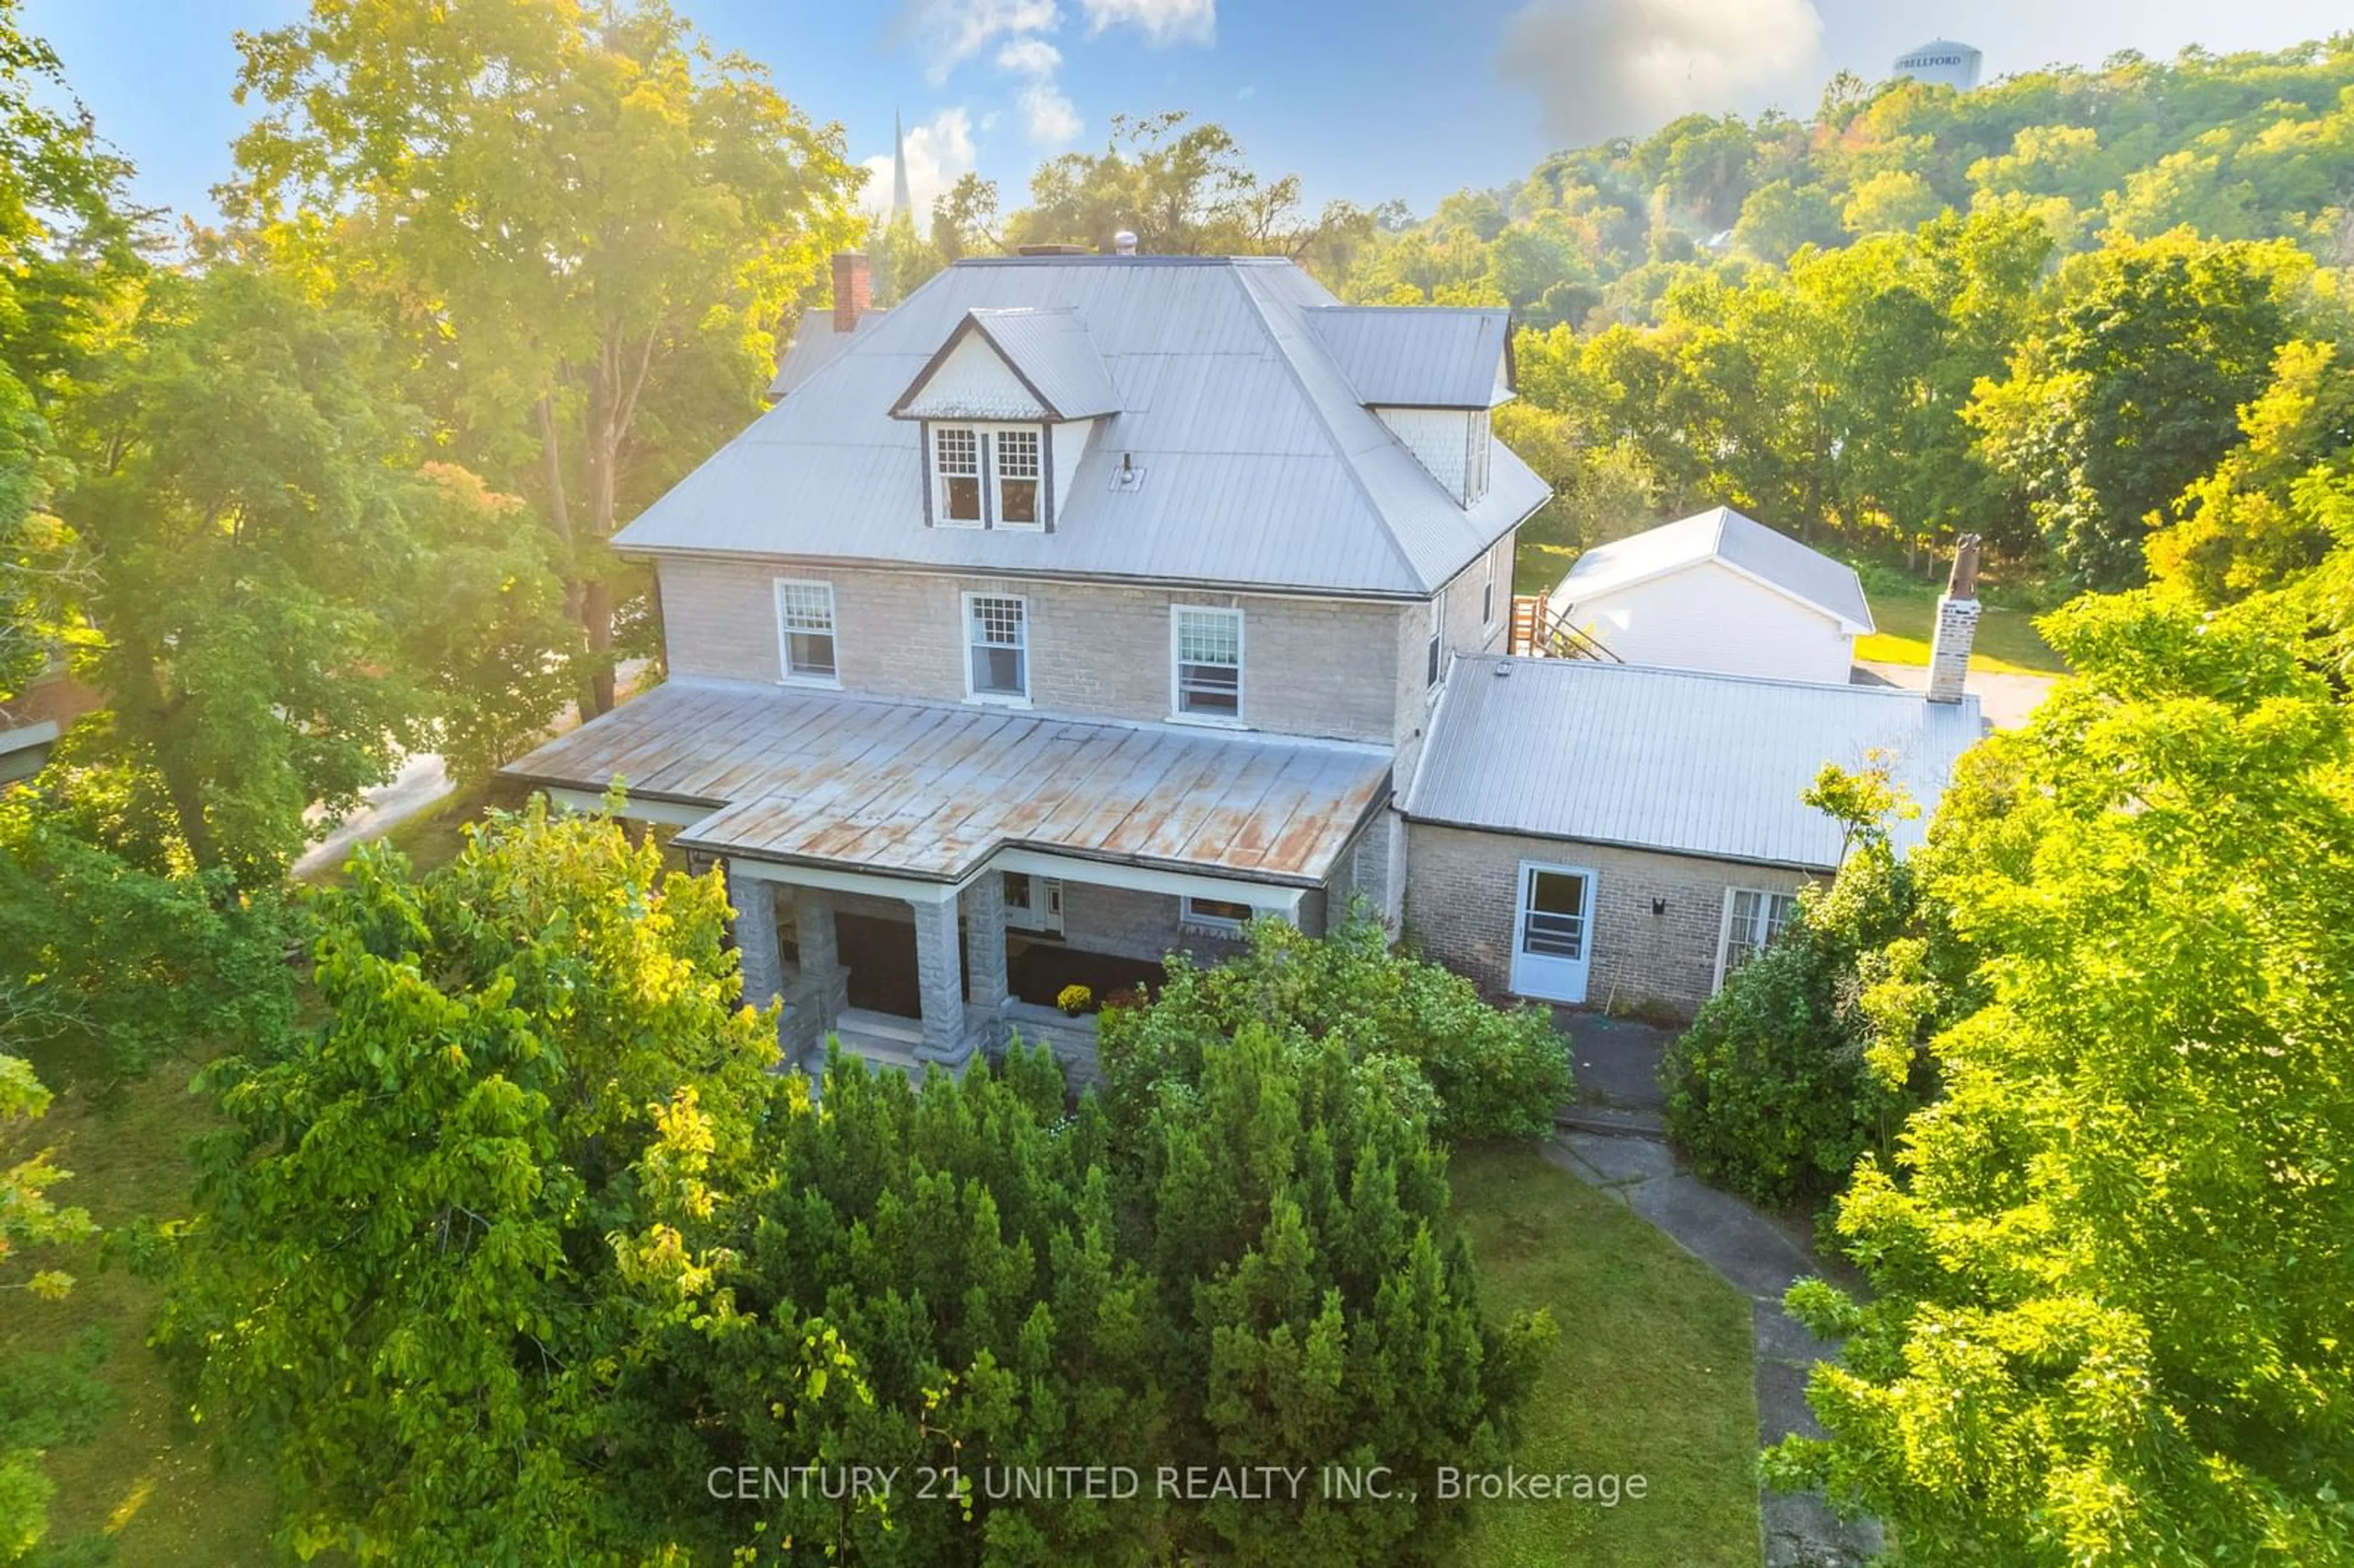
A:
[(997, 646), (1015, 461), (1753, 917), (956, 467), (1206, 659), (1220, 914), (1488, 595), (1438, 639), (805, 632)]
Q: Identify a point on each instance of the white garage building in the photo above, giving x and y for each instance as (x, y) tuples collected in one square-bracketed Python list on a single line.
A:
[(1721, 593)]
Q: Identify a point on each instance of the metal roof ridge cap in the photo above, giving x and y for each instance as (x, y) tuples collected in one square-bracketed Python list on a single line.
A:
[(1260, 308)]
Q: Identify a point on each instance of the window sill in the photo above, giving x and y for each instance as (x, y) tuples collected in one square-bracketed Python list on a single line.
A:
[(813, 682), (998, 699), (975, 523), (1209, 721)]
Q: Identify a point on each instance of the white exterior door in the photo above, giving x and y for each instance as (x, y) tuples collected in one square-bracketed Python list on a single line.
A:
[(1553, 932), (1034, 902)]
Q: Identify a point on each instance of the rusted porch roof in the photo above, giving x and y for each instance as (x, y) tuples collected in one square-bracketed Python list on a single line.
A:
[(931, 790)]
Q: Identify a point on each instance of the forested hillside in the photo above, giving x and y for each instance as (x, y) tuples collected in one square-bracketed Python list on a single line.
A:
[(2030, 311)]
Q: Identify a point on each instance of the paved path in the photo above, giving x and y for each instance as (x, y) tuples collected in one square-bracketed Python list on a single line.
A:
[(1762, 1260), (420, 781), (2006, 700)]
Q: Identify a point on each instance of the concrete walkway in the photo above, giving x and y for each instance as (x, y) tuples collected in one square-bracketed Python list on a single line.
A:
[(1762, 1260)]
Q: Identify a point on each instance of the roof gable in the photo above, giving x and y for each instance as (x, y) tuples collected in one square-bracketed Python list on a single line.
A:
[(1015, 364), (1726, 537)]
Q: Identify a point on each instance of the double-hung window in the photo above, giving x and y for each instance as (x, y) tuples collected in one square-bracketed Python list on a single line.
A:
[(1015, 455), (956, 462), (805, 632), (988, 476), (997, 644), (1488, 595), (1753, 919), (1438, 639), (1207, 654)]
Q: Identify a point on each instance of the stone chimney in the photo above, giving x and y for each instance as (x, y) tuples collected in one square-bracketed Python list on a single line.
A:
[(1957, 624), (854, 290)]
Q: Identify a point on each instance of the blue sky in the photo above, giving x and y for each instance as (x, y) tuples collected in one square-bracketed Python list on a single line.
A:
[(1364, 99)]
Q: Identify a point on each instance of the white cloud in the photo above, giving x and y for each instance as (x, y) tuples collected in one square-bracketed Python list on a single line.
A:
[(1030, 56), (1160, 21), (953, 31), (1050, 119), (1612, 67), (938, 150)]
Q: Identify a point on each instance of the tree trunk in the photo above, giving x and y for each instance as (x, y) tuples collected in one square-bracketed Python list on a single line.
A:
[(596, 601), (160, 718)]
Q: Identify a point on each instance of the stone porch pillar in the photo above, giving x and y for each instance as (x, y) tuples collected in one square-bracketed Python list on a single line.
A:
[(984, 940), (984, 951), (758, 959), (821, 950), (939, 983)]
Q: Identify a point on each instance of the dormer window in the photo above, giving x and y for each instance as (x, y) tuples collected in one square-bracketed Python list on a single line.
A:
[(1016, 452), (988, 476), (955, 458)]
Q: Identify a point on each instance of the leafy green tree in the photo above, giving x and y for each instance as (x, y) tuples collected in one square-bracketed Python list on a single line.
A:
[(1890, 202), (2253, 523), (2132, 391), (111, 968), (2109, 1272), (1813, 1051), (29, 1218), (1780, 218), (66, 248), (240, 510), (1489, 1074), (1184, 190), (658, 207), (434, 1245)]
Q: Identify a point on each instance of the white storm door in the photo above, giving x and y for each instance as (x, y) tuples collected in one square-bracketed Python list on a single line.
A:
[(1553, 932)]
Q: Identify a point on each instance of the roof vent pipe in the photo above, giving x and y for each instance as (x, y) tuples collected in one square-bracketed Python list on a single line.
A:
[(1124, 242)]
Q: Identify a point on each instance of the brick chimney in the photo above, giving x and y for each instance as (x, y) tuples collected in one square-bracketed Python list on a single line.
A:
[(1957, 624), (854, 289)]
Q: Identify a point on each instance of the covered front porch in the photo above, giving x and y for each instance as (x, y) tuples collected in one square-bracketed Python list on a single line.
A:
[(951, 993), (834, 814)]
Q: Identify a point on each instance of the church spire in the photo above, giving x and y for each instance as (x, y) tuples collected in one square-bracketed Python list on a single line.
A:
[(901, 203)]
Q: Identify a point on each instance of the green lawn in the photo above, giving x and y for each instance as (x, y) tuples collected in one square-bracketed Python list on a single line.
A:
[(1651, 1376), (2006, 642), (135, 1475)]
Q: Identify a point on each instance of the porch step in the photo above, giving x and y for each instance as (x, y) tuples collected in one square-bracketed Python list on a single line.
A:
[(1612, 1121)]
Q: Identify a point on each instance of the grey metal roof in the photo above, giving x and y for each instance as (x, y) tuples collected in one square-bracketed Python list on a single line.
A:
[(812, 345), (1721, 534), (1672, 759), (931, 790), (1424, 357), (1051, 351), (1263, 468)]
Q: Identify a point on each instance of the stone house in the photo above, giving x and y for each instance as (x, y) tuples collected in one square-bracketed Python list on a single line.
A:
[(1081, 608)]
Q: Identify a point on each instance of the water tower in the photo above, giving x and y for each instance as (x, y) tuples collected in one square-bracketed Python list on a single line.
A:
[(1942, 61)]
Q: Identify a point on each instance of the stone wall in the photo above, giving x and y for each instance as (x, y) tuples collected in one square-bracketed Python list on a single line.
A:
[(1462, 894), (1310, 667)]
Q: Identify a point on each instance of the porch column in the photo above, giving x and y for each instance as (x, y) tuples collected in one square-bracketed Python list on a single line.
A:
[(758, 959), (821, 950), (984, 940), (939, 982)]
